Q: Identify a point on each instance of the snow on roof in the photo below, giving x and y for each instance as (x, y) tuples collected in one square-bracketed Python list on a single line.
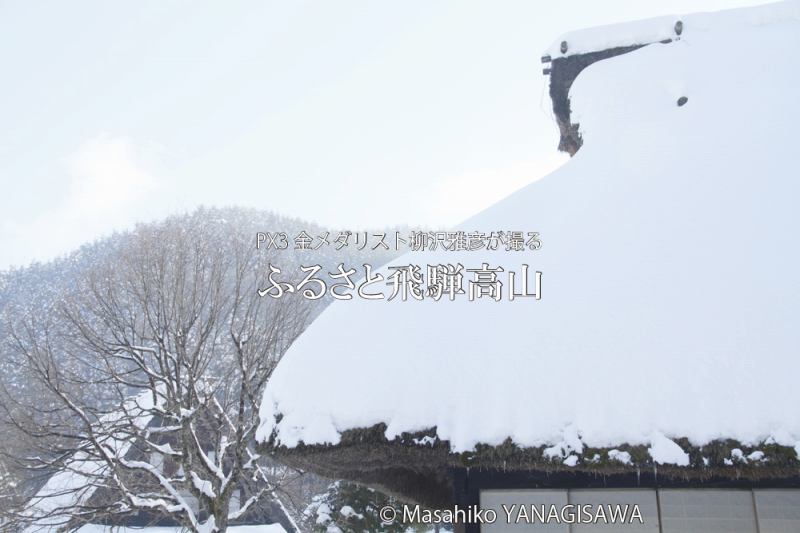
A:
[(663, 28), (670, 292), (613, 35), (73, 486)]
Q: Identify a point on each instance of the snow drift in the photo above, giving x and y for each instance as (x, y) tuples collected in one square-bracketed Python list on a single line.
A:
[(669, 259)]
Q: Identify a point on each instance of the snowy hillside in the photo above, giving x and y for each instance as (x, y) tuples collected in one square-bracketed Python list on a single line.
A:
[(670, 293)]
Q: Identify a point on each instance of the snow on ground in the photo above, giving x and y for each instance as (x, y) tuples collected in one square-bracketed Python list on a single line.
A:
[(271, 528), (670, 286)]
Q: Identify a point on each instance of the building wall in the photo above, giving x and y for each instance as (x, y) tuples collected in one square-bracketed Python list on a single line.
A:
[(662, 510)]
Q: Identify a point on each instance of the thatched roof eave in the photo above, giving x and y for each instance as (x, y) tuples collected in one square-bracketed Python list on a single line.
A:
[(421, 468)]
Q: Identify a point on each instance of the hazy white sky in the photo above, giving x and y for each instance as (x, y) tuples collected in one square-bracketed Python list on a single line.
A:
[(348, 113)]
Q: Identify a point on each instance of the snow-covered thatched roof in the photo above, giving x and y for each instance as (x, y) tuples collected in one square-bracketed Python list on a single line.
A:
[(663, 28), (670, 292), (74, 485)]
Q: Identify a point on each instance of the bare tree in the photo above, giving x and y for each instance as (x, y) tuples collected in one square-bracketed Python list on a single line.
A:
[(149, 374)]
